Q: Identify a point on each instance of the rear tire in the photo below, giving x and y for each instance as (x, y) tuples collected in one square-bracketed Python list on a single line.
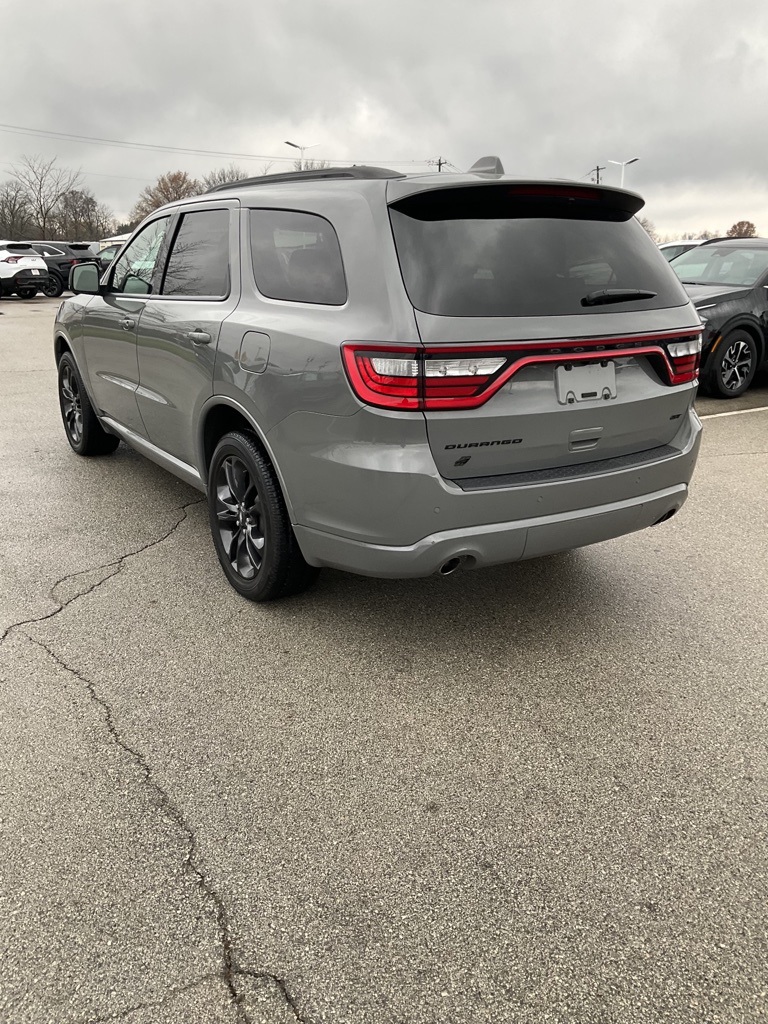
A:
[(731, 369), (81, 424), (53, 287), (27, 292), (251, 529)]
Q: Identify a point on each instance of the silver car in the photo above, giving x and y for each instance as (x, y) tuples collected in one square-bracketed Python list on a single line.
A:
[(392, 375)]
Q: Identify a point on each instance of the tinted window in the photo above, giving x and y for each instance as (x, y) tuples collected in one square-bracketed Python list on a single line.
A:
[(134, 270), (296, 256), (722, 264), (486, 251), (199, 260)]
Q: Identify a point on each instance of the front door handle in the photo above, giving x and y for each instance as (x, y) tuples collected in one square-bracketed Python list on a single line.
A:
[(128, 324), (198, 337)]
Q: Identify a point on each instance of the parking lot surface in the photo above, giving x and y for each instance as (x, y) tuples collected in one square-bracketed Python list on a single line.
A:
[(533, 794)]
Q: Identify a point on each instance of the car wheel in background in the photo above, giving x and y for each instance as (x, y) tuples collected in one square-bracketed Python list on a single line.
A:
[(53, 287), (26, 292), (81, 424), (250, 525), (732, 366)]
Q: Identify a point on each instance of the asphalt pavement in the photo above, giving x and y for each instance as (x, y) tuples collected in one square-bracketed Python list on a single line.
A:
[(529, 794)]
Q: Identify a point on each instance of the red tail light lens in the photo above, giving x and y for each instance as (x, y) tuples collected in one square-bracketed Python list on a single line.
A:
[(457, 377), (685, 357), (11, 259)]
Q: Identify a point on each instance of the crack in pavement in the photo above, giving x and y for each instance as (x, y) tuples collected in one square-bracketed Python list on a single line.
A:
[(280, 984), (116, 565), (167, 806), (229, 970)]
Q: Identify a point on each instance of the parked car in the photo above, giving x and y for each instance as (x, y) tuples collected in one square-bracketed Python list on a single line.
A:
[(22, 270), (392, 375), (727, 281), (105, 256), (670, 250), (60, 257)]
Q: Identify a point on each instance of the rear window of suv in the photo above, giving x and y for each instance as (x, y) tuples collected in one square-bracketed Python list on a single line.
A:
[(494, 250)]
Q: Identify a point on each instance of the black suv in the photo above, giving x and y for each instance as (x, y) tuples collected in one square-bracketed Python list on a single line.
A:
[(60, 257), (727, 281)]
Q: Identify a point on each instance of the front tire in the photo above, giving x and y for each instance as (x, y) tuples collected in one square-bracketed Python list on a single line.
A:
[(251, 529), (81, 424), (732, 367)]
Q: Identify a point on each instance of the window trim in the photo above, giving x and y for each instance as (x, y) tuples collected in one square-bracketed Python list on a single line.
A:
[(294, 302)]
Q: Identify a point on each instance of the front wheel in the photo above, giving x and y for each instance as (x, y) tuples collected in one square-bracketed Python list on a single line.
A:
[(251, 529), (732, 366), (53, 287), (81, 424)]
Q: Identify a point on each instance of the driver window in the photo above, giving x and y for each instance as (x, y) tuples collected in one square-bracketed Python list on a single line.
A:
[(135, 268)]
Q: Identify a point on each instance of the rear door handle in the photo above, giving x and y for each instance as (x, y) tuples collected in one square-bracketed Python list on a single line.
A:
[(128, 324), (198, 337)]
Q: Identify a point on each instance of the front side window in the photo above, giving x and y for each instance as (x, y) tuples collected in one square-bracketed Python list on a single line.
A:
[(134, 270), (296, 257), (199, 260)]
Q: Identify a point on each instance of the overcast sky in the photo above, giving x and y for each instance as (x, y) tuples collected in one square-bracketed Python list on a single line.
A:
[(553, 87)]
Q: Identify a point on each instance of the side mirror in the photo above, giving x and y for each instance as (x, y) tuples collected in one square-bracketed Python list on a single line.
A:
[(84, 279)]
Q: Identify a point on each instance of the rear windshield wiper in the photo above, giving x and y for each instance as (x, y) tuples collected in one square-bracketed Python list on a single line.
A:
[(606, 295)]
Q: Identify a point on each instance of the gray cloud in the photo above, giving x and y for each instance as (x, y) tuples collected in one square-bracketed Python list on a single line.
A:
[(553, 88)]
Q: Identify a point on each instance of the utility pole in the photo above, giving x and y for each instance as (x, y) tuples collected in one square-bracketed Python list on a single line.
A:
[(596, 171), (440, 163)]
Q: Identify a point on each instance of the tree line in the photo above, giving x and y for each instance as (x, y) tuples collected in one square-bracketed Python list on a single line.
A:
[(41, 200), (741, 229)]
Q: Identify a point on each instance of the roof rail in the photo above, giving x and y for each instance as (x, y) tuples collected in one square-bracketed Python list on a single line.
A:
[(313, 174)]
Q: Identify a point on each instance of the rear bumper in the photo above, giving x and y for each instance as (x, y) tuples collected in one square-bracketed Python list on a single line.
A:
[(492, 544)]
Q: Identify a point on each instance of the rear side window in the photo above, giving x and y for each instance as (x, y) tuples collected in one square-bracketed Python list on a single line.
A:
[(199, 260), (296, 257), (493, 250)]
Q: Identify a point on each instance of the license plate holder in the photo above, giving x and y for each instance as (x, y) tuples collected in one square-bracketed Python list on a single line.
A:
[(585, 382), (36, 273)]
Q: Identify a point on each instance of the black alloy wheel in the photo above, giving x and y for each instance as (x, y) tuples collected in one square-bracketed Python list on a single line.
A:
[(732, 365), (52, 287), (26, 292), (251, 529), (81, 424)]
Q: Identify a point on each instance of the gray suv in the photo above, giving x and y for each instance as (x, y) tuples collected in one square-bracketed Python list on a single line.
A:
[(392, 375)]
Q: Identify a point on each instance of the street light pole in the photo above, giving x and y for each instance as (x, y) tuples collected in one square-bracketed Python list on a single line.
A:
[(623, 164), (301, 150)]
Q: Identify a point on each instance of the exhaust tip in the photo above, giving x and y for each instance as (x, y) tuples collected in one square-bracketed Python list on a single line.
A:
[(667, 515), (449, 567)]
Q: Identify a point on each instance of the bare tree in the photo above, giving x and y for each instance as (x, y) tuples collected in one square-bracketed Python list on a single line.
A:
[(309, 165), (14, 210), (44, 185), (80, 217), (649, 227), (743, 229), (223, 176), (167, 189)]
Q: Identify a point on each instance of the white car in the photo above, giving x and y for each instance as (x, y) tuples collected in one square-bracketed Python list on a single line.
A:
[(677, 248), (22, 270)]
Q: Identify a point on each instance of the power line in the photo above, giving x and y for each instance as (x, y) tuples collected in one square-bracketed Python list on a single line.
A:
[(98, 174), (92, 140)]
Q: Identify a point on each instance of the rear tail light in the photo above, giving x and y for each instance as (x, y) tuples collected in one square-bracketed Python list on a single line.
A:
[(457, 377), (10, 259), (685, 357)]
